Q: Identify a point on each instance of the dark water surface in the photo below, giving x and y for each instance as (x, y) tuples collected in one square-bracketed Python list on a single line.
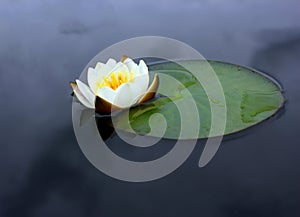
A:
[(45, 44)]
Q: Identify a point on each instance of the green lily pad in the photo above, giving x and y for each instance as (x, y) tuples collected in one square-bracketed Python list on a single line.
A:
[(250, 97)]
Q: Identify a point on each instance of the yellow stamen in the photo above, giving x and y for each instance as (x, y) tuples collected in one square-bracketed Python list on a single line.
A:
[(131, 77), (120, 77), (126, 77), (114, 80)]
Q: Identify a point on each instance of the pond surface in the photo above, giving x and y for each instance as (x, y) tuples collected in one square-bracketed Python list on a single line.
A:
[(45, 44)]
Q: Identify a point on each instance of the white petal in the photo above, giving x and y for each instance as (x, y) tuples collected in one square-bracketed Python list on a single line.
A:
[(86, 93), (124, 96), (132, 66), (92, 77), (143, 67), (139, 85), (99, 65), (107, 93), (120, 67), (111, 63), (151, 91), (80, 96), (102, 70)]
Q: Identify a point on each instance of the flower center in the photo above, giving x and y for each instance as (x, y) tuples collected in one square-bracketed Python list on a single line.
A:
[(114, 80)]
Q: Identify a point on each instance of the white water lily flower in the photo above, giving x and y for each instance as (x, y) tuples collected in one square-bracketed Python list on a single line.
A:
[(113, 85)]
